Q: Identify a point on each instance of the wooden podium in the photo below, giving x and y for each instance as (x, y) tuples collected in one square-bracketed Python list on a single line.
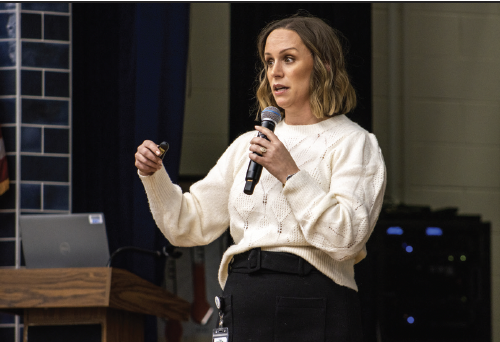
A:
[(113, 298)]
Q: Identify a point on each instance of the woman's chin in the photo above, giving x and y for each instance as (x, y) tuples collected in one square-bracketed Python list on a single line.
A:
[(281, 104)]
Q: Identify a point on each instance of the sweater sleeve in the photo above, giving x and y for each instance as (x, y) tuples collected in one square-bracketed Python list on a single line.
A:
[(340, 221), (199, 216)]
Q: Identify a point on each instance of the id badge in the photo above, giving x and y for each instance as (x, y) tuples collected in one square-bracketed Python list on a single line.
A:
[(220, 335)]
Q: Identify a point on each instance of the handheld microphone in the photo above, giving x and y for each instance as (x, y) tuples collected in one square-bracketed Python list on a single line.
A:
[(270, 118)]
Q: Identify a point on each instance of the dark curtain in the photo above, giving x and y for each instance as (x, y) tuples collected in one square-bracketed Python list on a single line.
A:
[(129, 71), (247, 19)]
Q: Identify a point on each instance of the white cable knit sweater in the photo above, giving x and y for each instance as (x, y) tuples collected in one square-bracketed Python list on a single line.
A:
[(324, 214)]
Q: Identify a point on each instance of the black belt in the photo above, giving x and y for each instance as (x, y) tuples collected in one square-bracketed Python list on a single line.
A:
[(256, 259)]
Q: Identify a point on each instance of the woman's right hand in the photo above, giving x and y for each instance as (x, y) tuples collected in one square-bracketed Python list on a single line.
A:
[(146, 158)]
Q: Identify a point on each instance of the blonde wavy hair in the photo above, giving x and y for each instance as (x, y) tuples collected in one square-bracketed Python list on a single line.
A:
[(331, 92)]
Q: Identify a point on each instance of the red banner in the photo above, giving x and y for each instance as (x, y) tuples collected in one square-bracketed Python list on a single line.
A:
[(4, 175)]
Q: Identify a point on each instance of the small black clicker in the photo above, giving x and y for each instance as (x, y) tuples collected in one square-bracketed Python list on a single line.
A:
[(163, 147)]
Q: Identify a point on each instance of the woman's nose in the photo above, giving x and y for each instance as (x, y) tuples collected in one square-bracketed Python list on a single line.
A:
[(277, 70)]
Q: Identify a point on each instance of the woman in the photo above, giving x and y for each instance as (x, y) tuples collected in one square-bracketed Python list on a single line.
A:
[(290, 274)]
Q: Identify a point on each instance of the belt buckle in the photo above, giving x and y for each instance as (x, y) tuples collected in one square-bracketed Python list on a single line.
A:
[(254, 260)]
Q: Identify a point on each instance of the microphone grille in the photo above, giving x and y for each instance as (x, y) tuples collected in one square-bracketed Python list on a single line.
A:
[(271, 113)]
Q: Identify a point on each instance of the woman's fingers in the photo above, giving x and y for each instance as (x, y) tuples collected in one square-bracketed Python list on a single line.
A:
[(146, 158), (260, 141), (267, 132), (145, 164), (273, 155), (260, 148)]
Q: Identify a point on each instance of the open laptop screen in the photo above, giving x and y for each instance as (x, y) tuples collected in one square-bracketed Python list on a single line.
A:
[(64, 240)]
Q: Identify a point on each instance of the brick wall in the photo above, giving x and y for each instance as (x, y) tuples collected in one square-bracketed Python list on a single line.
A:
[(35, 118)]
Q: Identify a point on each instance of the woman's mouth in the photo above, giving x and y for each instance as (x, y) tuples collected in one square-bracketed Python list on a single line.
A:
[(279, 89)]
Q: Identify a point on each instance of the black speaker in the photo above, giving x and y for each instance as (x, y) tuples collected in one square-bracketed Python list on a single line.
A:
[(427, 278)]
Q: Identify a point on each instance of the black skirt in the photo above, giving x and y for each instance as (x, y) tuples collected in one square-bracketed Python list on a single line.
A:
[(278, 297)]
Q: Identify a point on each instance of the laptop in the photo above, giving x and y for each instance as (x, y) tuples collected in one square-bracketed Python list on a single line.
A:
[(64, 240)]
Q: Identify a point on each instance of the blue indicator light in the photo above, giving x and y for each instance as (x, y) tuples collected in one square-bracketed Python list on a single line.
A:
[(433, 231), (409, 249), (394, 231), (410, 320)]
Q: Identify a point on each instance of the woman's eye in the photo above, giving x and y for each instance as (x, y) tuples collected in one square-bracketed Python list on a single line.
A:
[(288, 59), (269, 62)]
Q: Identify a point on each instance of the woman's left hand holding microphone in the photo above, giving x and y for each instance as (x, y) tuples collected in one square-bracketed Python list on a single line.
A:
[(274, 155)]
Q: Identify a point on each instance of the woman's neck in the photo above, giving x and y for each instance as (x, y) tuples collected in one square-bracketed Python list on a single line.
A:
[(301, 118)]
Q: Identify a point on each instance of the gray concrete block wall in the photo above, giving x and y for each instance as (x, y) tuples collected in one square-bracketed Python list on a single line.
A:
[(206, 116), (450, 109)]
